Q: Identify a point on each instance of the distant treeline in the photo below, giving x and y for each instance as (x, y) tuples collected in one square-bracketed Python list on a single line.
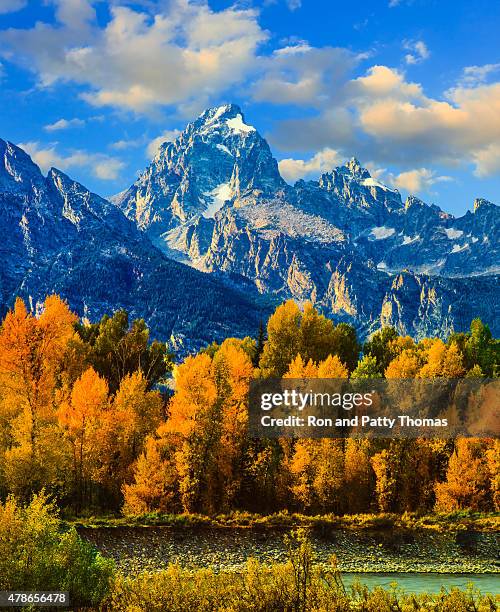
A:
[(85, 415)]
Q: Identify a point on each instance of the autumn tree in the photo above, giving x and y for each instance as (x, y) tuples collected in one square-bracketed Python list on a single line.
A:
[(139, 412), (405, 472), (82, 420), (406, 365), (154, 485), (31, 351), (208, 420), (493, 462), (442, 360), (359, 477), (468, 478)]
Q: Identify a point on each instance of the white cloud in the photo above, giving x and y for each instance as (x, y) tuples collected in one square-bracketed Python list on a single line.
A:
[(293, 5), (417, 51), (184, 54), (477, 75), (11, 6), (385, 118), (323, 161), (64, 124), (122, 145), (139, 61), (487, 160), (302, 75), (166, 136), (382, 82), (106, 168), (102, 166), (418, 180)]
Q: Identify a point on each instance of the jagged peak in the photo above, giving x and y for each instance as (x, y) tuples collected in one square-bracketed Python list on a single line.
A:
[(226, 111), (353, 168), (412, 200), (17, 170), (356, 169), (228, 116), (482, 203), (12, 151)]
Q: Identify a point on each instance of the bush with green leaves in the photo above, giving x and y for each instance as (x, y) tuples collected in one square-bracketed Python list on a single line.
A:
[(37, 555)]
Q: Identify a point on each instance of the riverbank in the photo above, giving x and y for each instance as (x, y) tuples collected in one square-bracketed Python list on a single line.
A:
[(440, 522), (388, 550)]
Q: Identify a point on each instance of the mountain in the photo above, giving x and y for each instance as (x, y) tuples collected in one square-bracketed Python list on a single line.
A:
[(214, 198), (57, 236)]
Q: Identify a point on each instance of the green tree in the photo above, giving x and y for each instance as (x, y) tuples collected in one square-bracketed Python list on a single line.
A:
[(291, 331), (259, 347), (118, 348), (378, 346), (367, 368), (479, 348)]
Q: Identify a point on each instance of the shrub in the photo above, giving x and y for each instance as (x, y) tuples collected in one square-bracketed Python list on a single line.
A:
[(36, 555)]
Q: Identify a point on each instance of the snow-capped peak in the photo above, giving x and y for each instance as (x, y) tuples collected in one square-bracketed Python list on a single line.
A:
[(239, 126)]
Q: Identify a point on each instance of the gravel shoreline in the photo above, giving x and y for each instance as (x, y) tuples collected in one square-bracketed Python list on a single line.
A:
[(391, 550)]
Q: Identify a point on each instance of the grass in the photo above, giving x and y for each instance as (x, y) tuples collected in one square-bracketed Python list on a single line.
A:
[(441, 522)]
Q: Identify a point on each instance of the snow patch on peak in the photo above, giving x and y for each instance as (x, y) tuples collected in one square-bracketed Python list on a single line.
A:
[(380, 233), (453, 233), (222, 147), (457, 247), (221, 110), (410, 239), (219, 195), (237, 125), (371, 182)]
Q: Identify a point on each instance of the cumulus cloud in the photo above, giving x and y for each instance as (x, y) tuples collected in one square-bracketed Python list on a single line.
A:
[(294, 169), (417, 51), (303, 75), (11, 6), (382, 82), (64, 124), (47, 156), (184, 54), (384, 117), (166, 136), (293, 5), (477, 75), (418, 180), (487, 160), (138, 61)]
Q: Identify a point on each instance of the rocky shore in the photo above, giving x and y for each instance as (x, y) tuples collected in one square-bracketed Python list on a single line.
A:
[(390, 550)]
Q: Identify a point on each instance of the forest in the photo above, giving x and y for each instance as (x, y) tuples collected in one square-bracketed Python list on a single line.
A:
[(102, 420)]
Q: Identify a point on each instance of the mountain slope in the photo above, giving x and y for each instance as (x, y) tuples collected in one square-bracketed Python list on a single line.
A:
[(59, 237), (214, 198)]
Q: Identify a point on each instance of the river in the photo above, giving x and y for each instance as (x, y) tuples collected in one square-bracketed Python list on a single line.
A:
[(426, 582)]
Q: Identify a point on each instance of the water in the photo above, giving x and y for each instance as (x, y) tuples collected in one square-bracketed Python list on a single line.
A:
[(427, 583)]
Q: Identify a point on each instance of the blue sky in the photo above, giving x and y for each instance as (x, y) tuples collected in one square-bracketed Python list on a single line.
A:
[(410, 87)]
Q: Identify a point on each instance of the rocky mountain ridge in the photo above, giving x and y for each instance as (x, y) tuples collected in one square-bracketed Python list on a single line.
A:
[(214, 199), (57, 236)]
